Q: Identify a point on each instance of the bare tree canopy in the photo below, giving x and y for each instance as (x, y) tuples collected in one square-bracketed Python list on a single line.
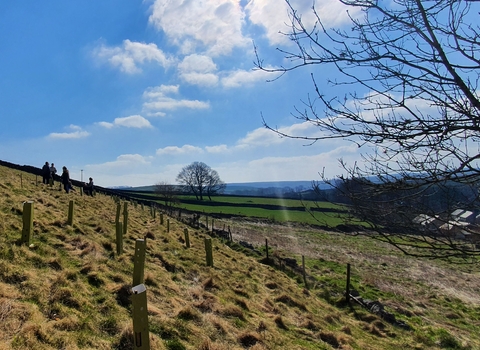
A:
[(199, 179), (168, 193), (410, 72)]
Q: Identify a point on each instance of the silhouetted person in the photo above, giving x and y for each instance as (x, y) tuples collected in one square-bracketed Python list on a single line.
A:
[(53, 171), (88, 188), (66, 179), (46, 173)]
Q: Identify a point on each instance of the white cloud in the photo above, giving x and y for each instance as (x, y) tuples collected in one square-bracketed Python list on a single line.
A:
[(158, 101), (130, 54), (206, 25), (198, 70), (76, 133), (174, 150), (133, 121), (240, 77), (294, 168), (262, 137), (272, 15), (122, 161), (106, 125), (217, 149)]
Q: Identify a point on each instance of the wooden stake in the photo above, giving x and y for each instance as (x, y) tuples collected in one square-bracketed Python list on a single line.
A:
[(141, 335), (347, 289), (187, 238), (27, 222), (208, 251), (139, 262)]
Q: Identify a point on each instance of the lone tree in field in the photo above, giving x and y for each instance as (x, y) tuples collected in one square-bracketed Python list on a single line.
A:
[(410, 74), (168, 193), (199, 179)]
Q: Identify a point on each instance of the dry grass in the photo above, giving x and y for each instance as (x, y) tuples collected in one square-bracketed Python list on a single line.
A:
[(70, 290)]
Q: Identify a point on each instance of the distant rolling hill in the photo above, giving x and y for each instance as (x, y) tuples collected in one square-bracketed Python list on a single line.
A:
[(273, 188)]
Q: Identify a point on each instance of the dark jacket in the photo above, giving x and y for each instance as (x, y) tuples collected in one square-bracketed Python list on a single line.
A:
[(65, 177), (46, 171)]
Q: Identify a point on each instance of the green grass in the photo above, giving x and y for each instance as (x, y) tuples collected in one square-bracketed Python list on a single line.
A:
[(233, 206), (70, 290), (326, 219)]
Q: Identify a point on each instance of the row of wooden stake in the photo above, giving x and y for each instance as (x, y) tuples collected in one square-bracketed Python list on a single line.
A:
[(139, 298)]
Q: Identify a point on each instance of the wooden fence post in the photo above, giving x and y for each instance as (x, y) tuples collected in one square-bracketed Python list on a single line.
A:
[(187, 237), (168, 225), (70, 213), (119, 209), (206, 221), (266, 246), (304, 273), (347, 289), (139, 262), (141, 337), (161, 219), (27, 222), (208, 251), (119, 236), (125, 218)]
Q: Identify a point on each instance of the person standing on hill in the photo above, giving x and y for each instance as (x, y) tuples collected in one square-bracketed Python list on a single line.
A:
[(53, 171), (46, 173), (88, 188), (65, 179)]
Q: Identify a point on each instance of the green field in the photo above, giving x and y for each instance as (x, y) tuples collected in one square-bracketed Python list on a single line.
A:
[(282, 210)]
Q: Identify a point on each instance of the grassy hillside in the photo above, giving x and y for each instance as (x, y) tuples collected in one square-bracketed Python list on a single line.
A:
[(70, 290)]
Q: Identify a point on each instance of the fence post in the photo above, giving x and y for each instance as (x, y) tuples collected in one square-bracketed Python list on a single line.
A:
[(213, 224), (139, 262), (70, 213), (117, 217), (141, 338), (266, 246), (125, 218), (187, 237), (21, 180), (161, 219), (168, 225), (208, 251), (27, 222), (119, 236), (347, 289), (81, 191), (154, 212), (304, 273)]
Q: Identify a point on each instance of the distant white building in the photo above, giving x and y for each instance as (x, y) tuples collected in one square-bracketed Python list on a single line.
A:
[(466, 216), (457, 213), (455, 229), (427, 222)]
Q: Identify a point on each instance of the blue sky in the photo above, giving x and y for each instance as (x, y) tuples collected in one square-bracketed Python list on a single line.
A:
[(130, 92)]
